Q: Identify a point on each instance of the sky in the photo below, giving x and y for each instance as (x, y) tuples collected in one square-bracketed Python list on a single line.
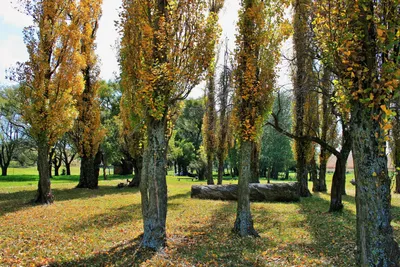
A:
[(12, 47)]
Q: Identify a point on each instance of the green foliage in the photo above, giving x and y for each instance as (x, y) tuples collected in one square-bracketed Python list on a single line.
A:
[(190, 122), (276, 149)]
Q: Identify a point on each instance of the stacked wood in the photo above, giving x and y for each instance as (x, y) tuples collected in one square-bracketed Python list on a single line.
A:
[(279, 192)]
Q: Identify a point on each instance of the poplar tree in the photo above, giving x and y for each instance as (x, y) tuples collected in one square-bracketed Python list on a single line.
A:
[(258, 51), (301, 90), (166, 48), (361, 40), (225, 84), (50, 79), (87, 133)]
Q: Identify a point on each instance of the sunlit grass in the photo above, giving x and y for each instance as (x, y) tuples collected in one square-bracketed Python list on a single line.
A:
[(102, 228)]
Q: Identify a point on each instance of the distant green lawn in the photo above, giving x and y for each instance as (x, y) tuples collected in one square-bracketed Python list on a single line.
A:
[(102, 227)]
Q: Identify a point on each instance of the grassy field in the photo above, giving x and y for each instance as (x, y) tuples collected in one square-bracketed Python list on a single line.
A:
[(102, 228)]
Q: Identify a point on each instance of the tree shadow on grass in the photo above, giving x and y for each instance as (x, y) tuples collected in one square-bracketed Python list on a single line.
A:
[(334, 234), (126, 254), (11, 202), (111, 218)]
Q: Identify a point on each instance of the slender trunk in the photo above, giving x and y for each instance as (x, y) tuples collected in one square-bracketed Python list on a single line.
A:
[(44, 194), (153, 186), (220, 169), (87, 177), (336, 191), (244, 222), (301, 88), (343, 180), (4, 170), (314, 175), (175, 167), (340, 173), (375, 243), (68, 168), (97, 162), (56, 170), (322, 171), (255, 163), (302, 172), (137, 166), (210, 178)]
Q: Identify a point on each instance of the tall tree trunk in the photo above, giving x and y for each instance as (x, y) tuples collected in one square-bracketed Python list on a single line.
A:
[(96, 163), (301, 84), (87, 177), (322, 171), (375, 242), (104, 161), (336, 191), (4, 170), (255, 163), (209, 172), (244, 222), (153, 186), (340, 173), (301, 170), (44, 194), (68, 168), (56, 170), (220, 169)]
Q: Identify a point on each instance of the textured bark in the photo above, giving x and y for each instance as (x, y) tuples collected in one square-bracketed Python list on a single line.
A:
[(209, 172), (340, 173), (375, 242), (303, 65), (87, 178), (322, 174), (244, 223), (153, 186), (255, 163), (220, 169), (44, 194), (137, 166), (282, 192)]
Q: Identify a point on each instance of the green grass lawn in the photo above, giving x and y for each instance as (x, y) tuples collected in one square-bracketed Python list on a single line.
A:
[(102, 228)]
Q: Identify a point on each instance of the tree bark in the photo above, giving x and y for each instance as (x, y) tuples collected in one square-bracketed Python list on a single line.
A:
[(87, 177), (301, 89), (153, 186), (255, 163), (44, 194), (220, 170), (209, 172), (282, 192), (244, 223), (68, 168), (4, 170), (137, 166), (322, 171), (375, 243), (340, 173)]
